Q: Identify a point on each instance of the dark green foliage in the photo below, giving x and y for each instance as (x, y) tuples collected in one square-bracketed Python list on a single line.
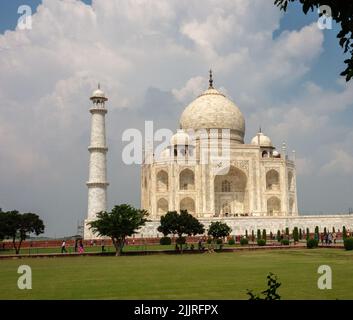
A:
[(14, 225), (295, 234), (244, 241), (278, 235), (348, 243), (344, 233), (312, 243), (264, 234), (261, 242), (246, 234), (287, 232), (342, 13), (252, 235), (300, 234), (270, 293), (180, 240), (307, 234), (231, 242), (180, 224), (285, 242), (258, 234), (219, 230), (123, 221), (165, 241), (209, 240), (317, 229)]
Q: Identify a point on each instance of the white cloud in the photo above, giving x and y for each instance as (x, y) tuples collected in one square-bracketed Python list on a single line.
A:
[(47, 75), (341, 163)]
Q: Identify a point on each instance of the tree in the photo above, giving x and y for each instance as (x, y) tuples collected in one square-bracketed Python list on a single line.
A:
[(19, 226), (287, 232), (307, 234), (219, 230), (278, 235), (180, 224), (264, 234), (342, 13), (295, 234), (246, 234), (344, 233), (2, 225), (300, 234), (123, 221), (258, 234), (252, 235)]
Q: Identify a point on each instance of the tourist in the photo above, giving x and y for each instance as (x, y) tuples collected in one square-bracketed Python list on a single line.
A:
[(326, 238), (322, 238), (80, 247), (329, 238), (63, 247), (102, 243), (334, 237), (76, 245)]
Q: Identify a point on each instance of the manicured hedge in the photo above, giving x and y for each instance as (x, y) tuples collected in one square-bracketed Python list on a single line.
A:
[(348, 243), (312, 243), (285, 242), (165, 241), (244, 241), (261, 242)]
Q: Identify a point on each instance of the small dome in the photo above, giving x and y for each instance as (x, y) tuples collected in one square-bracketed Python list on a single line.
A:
[(265, 141), (180, 138), (275, 153), (98, 93), (213, 110)]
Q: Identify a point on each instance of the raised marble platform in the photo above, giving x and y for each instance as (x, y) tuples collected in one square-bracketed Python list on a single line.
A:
[(240, 224)]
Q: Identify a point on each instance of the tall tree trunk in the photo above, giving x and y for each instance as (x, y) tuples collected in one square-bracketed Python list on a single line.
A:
[(118, 244)]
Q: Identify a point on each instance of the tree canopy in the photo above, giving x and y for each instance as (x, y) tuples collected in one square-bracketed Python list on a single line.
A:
[(342, 13), (15, 225), (180, 224), (123, 221), (219, 230)]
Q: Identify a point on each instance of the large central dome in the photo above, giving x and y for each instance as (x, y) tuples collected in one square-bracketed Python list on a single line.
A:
[(213, 110)]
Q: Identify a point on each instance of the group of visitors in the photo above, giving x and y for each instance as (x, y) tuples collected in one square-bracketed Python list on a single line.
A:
[(328, 238), (78, 246)]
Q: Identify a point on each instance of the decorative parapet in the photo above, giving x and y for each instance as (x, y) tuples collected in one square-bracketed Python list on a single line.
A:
[(97, 184)]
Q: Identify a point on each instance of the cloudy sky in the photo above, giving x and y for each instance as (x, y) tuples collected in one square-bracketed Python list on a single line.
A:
[(152, 58)]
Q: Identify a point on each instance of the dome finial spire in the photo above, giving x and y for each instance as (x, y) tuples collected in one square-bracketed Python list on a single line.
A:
[(99, 85), (210, 80)]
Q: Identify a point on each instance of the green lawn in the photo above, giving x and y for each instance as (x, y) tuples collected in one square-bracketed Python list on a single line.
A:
[(198, 276)]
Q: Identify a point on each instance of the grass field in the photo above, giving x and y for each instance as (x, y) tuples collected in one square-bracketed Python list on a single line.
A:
[(199, 276)]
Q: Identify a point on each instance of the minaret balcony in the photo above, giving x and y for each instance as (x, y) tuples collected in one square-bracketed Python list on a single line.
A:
[(98, 110), (97, 149), (96, 184)]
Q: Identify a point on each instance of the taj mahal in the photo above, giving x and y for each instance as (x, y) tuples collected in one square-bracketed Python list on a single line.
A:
[(210, 171)]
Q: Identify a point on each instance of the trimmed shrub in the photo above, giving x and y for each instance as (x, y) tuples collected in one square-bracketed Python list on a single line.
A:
[(287, 232), (285, 242), (344, 233), (231, 242), (244, 241), (264, 234), (165, 241), (312, 243), (300, 234), (209, 240), (295, 234), (219, 241), (307, 234), (181, 240), (348, 243), (261, 242), (278, 235), (252, 236), (258, 234)]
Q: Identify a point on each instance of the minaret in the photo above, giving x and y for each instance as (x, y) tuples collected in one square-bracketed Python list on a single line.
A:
[(97, 183)]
